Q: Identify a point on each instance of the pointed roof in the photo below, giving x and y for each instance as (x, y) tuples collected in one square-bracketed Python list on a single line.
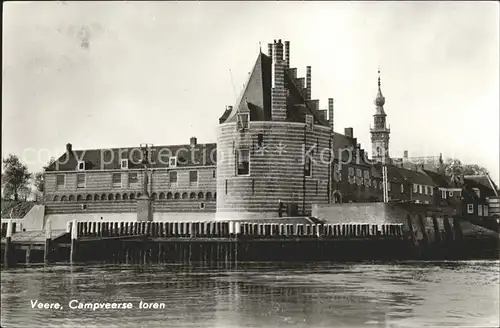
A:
[(256, 94), (379, 99), (255, 97)]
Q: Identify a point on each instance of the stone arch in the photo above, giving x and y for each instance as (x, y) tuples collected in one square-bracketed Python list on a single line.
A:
[(118, 197), (177, 196), (192, 195), (184, 195), (208, 196), (110, 197), (71, 198), (132, 196), (56, 198), (103, 196), (336, 197), (63, 198), (201, 195), (79, 198), (89, 197), (169, 195), (153, 196), (125, 197), (96, 197), (162, 195)]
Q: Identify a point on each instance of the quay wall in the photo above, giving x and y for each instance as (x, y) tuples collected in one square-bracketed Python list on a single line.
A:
[(423, 222)]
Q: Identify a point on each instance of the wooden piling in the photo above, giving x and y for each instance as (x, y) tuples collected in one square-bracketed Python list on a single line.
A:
[(74, 237), (8, 241), (48, 237)]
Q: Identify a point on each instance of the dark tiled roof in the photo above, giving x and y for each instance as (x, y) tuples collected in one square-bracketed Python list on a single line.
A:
[(256, 97), (439, 179), (482, 180), (403, 175), (416, 177), (109, 159), (18, 209)]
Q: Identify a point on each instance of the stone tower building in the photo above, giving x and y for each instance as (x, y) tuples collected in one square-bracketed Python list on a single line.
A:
[(268, 144), (380, 132)]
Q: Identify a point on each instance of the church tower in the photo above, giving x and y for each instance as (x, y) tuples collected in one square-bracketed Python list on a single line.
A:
[(380, 132)]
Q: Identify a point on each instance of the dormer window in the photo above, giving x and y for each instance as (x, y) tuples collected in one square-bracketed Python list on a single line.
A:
[(81, 166), (309, 122), (172, 161), (243, 119), (124, 164)]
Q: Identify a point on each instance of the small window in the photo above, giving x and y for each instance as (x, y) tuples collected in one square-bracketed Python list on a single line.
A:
[(61, 181), (308, 167), (359, 173), (172, 161), (415, 188), (117, 180), (193, 178), (470, 208), (485, 210), (420, 191), (243, 119), (351, 171), (425, 190), (132, 177), (243, 162), (173, 176), (367, 174), (81, 166), (124, 164), (80, 180), (443, 194), (431, 191), (402, 188), (479, 210), (309, 122)]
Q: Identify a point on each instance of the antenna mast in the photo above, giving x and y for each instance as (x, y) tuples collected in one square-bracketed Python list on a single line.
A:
[(232, 82)]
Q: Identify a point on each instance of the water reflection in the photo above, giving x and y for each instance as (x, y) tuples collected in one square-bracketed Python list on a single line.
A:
[(258, 294)]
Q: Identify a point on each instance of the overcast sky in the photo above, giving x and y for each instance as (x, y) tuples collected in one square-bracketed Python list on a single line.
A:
[(119, 74)]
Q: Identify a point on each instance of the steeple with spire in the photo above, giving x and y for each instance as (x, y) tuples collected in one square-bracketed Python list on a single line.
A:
[(380, 132)]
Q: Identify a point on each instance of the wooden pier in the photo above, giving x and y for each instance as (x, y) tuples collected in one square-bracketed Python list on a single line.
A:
[(230, 242)]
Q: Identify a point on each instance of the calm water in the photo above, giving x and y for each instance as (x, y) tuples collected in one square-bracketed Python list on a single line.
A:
[(258, 295)]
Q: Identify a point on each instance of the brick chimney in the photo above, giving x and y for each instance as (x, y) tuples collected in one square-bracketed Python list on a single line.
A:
[(405, 154), (278, 97), (270, 50), (193, 141), (308, 82), (287, 54), (348, 132), (330, 113), (69, 148)]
